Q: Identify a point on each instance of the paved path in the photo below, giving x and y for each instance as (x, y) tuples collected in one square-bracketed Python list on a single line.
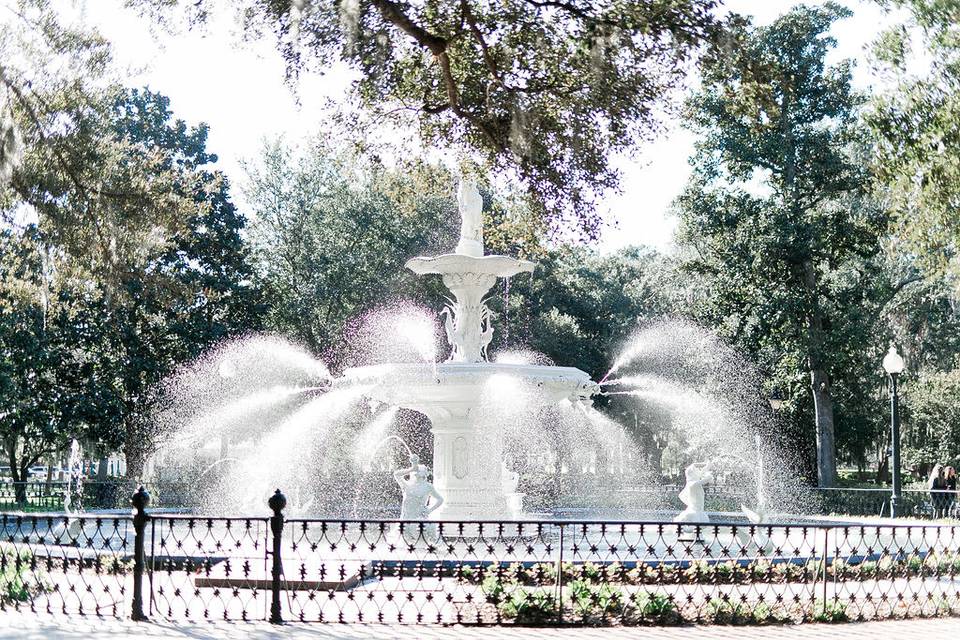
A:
[(30, 627)]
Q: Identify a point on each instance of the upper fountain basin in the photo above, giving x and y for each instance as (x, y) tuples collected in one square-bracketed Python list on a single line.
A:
[(449, 263), (462, 385)]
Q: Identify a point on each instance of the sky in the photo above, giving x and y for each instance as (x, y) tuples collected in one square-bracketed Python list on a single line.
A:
[(238, 89)]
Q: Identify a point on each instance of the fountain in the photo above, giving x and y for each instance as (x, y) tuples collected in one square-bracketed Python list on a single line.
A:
[(513, 436), (73, 492), (466, 460)]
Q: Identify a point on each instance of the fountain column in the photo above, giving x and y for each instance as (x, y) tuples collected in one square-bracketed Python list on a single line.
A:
[(466, 459), (466, 466), (463, 466)]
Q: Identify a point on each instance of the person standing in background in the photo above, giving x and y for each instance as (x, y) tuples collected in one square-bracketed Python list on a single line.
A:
[(950, 484)]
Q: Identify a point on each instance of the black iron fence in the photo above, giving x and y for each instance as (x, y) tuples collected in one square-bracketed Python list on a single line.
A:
[(113, 493), (912, 503), (177, 567)]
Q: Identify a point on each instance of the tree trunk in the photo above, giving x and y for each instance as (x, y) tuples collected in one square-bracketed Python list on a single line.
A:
[(826, 447), (48, 486), (17, 473), (819, 379), (819, 383), (883, 471)]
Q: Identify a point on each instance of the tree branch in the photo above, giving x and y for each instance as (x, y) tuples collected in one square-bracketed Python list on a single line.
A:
[(478, 36), (393, 13)]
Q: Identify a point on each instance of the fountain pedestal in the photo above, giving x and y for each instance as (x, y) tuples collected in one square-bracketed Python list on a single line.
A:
[(461, 470), (466, 461)]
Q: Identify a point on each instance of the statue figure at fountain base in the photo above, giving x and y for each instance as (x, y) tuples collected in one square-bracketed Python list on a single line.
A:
[(697, 475), (509, 481), (420, 499)]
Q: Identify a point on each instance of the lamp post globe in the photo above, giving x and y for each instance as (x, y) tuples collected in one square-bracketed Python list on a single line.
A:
[(776, 400), (893, 362), (893, 365)]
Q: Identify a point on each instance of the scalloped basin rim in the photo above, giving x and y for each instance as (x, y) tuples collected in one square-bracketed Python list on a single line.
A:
[(424, 371), (501, 266)]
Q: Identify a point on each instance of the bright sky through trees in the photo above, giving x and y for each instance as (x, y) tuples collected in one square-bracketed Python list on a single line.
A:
[(238, 89)]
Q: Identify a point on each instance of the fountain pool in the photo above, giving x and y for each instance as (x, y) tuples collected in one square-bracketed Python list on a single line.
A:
[(504, 436)]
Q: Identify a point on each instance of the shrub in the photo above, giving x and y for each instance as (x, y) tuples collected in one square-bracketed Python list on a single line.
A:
[(831, 611), (493, 589), (590, 571), (18, 581), (465, 573), (761, 569), (655, 607), (726, 612), (581, 597), (529, 606), (113, 565), (867, 569)]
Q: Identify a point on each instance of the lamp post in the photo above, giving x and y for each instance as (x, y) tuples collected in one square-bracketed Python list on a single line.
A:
[(893, 365)]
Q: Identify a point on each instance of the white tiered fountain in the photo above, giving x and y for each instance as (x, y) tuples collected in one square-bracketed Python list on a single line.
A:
[(466, 460)]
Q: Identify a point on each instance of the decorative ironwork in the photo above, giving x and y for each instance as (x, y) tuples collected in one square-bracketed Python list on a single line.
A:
[(482, 572)]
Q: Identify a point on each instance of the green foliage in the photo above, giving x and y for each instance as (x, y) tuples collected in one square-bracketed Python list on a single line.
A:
[(493, 588), (655, 607), (534, 607), (48, 384), (790, 267), (546, 91), (20, 581), (725, 611), (101, 340), (917, 129), (581, 305), (110, 201), (830, 611), (333, 233), (933, 417)]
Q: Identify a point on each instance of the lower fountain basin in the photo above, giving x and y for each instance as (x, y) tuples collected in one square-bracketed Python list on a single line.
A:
[(467, 470), (426, 387)]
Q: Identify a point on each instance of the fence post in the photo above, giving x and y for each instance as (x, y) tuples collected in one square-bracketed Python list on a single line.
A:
[(139, 500), (560, 578), (826, 550), (276, 502)]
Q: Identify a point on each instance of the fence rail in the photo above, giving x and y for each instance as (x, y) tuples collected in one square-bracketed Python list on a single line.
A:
[(112, 493), (153, 566)]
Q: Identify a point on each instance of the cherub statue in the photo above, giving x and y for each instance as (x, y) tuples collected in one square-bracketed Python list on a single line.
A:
[(697, 475), (420, 497)]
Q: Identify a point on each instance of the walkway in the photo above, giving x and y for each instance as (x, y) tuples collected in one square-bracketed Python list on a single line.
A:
[(30, 627)]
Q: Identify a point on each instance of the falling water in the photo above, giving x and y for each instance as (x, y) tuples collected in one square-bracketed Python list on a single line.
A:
[(372, 436)]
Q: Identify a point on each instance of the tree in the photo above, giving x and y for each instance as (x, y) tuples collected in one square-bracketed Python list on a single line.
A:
[(546, 89), (788, 268), (333, 233), (173, 304), (917, 159), (141, 310), (95, 195), (49, 388), (579, 306), (933, 416)]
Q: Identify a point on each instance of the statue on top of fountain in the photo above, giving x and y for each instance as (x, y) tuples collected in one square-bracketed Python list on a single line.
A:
[(469, 275), (470, 204)]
